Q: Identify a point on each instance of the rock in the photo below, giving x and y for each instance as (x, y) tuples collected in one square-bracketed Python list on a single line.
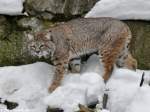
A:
[(75, 65), (12, 40), (13, 50), (140, 44), (30, 23), (4, 27), (49, 9), (54, 110), (84, 109), (10, 105)]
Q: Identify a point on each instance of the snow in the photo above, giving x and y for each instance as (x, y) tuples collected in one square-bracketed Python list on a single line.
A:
[(121, 9), (125, 93), (11, 7), (122, 89), (27, 85), (141, 100), (79, 90)]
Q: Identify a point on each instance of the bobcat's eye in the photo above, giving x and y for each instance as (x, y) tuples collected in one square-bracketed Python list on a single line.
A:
[(32, 47), (42, 46)]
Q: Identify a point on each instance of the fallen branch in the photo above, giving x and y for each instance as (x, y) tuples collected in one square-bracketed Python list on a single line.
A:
[(142, 79)]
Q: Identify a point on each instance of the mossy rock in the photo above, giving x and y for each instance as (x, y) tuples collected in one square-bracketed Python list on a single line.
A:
[(58, 9), (4, 27), (140, 44), (12, 43)]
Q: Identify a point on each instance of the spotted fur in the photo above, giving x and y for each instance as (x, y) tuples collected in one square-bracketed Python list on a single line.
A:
[(108, 37)]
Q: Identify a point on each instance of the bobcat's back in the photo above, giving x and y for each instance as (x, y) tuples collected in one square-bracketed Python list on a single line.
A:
[(92, 35)]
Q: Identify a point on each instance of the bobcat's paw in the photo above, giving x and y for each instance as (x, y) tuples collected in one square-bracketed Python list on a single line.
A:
[(52, 88), (75, 66)]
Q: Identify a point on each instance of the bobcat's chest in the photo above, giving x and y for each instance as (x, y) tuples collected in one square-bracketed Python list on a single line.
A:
[(81, 47), (77, 53)]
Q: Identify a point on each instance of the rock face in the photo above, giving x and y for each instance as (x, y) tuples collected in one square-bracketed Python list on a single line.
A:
[(32, 23), (140, 45), (49, 9), (12, 40), (4, 26)]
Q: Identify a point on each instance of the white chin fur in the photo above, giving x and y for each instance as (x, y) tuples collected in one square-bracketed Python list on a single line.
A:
[(41, 54)]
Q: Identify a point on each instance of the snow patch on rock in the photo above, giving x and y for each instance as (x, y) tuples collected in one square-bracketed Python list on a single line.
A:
[(11, 7), (121, 9)]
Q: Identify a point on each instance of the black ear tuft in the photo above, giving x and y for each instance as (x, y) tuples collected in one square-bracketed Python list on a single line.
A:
[(52, 38), (29, 35), (49, 35)]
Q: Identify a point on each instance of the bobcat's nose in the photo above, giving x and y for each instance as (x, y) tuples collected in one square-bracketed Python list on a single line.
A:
[(37, 52)]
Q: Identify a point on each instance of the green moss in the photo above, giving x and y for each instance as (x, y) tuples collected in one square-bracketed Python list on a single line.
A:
[(47, 24), (10, 49)]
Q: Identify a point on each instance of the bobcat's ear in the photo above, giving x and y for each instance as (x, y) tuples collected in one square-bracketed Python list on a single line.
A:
[(49, 35), (29, 36)]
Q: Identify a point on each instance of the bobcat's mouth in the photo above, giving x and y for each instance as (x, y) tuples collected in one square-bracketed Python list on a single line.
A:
[(43, 54), (46, 54)]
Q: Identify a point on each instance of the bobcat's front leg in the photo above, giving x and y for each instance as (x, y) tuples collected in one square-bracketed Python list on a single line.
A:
[(59, 73)]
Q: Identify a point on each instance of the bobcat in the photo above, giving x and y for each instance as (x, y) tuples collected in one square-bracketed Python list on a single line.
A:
[(108, 37)]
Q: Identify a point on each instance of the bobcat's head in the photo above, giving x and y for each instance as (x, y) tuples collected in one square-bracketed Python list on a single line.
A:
[(41, 44)]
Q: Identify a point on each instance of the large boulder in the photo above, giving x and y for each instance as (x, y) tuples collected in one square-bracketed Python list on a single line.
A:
[(4, 27), (58, 9), (140, 45), (31, 23)]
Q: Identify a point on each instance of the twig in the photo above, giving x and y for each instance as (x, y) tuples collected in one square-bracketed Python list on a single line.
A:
[(142, 79), (105, 99), (84, 108)]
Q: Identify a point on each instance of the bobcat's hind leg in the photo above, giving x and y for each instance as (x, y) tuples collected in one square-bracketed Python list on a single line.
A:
[(58, 76), (111, 46), (109, 57), (127, 61), (109, 53), (130, 62), (108, 66)]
